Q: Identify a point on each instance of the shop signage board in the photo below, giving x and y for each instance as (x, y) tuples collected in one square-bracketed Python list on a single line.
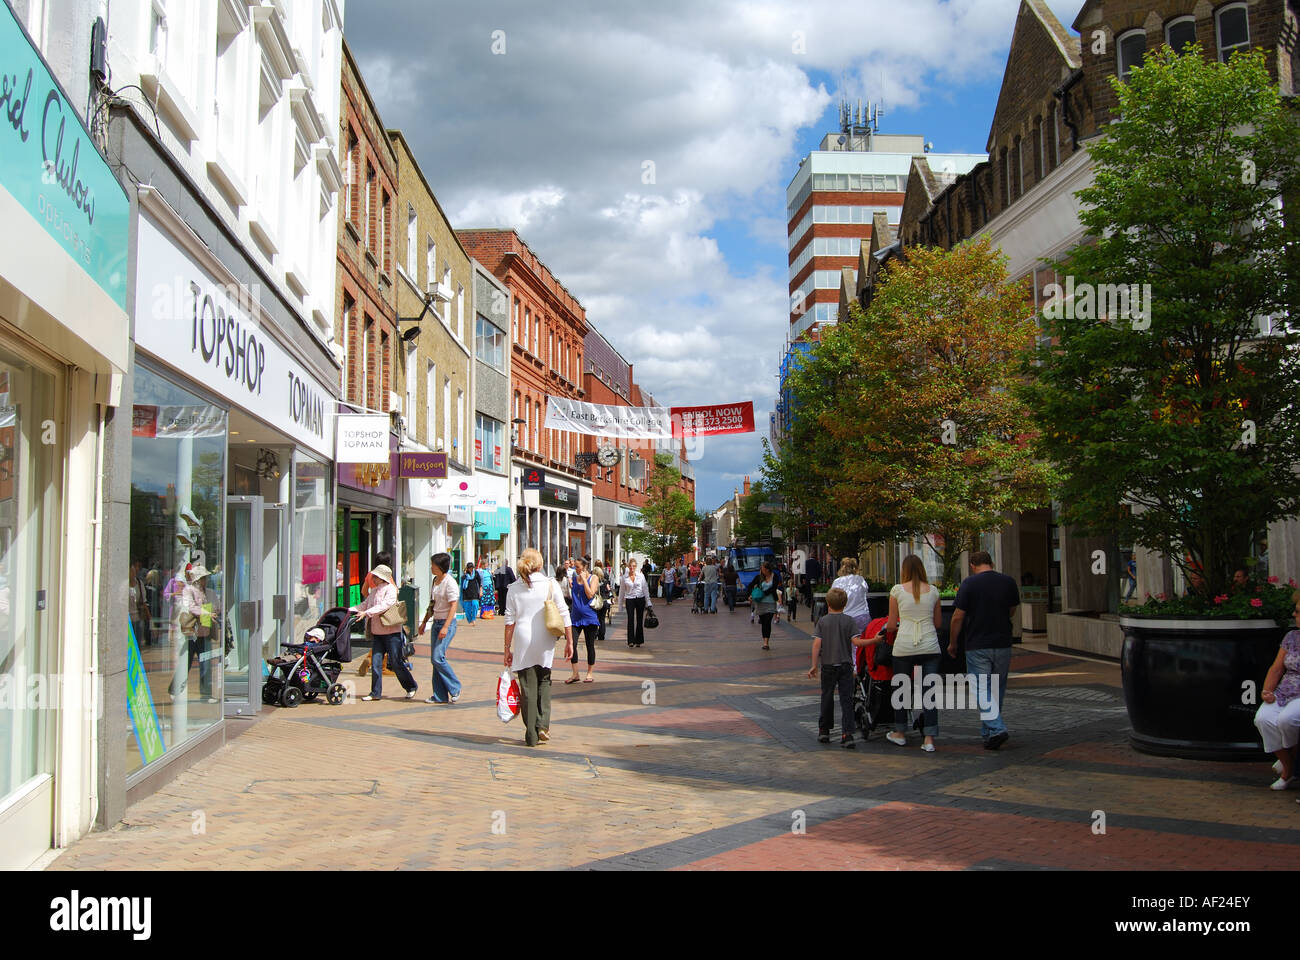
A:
[(363, 438), (50, 165), (554, 495), (202, 328), (629, 518), (419, 465), (534, 478)]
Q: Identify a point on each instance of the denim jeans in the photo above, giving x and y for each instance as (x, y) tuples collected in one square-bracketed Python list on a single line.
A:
[(389, 645), (837, 677), (710, 597), (445, 682), (731, 598), (929, 664), (984, 664)]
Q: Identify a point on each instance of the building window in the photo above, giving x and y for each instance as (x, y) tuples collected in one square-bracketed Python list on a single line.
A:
[(368, 228), (412, 232), (1056, 135), (353, 171), (385, 371), (1233, 30), (1006, 178), (446, 436), (430, 261), (1019, 161), (490, 343), (1130, 48), (1180, 33), (366, 366), (537, 336), (1038, 149), (349, 307), (537, 426), (515, 322), (489, 442), (460, 313), (430, 400), (385, 241), (410, 390), (460, 426)]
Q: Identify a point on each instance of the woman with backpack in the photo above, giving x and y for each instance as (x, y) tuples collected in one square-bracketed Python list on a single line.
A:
[(765, 592)]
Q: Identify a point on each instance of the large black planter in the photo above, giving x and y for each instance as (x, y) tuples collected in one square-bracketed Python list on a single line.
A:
[(1184, 683)]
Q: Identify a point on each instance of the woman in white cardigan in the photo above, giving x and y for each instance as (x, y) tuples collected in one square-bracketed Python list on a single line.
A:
[(530, 647), (634, 595)]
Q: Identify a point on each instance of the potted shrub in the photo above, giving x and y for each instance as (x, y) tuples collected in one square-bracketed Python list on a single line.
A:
[(1170, 410)]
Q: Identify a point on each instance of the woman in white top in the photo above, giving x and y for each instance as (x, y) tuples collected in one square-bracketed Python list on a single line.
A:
[(915, 613), (634, 595), (530, 647), (856, 588)]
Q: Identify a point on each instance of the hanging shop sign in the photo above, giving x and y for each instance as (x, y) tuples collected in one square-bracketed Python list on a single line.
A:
[(534, 478), (422, 466), (205, 330), (50, 165), (554, 495), (362, 438)]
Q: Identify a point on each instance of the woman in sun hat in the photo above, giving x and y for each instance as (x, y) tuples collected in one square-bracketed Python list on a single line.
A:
[(384, 640)]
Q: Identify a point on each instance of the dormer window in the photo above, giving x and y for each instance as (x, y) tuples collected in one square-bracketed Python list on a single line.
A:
[(1130, 47), (1233, 30)]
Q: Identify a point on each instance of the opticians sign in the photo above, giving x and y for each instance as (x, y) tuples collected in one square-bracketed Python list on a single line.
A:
[(205, 330), (49, 164)]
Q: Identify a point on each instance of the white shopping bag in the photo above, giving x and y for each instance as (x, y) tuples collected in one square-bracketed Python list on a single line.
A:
[(507, 697)]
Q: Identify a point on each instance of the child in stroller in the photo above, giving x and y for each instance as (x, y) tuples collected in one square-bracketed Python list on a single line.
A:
[(871, 705), (312, 667)]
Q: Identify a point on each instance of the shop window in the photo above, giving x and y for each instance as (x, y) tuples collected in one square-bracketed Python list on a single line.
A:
[(311, 523), (178, 469)]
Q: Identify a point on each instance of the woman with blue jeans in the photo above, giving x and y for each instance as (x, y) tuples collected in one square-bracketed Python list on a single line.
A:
[(385, 641), (442, 611)]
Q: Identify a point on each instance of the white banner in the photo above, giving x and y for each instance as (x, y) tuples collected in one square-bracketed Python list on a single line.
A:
[(603, 420)]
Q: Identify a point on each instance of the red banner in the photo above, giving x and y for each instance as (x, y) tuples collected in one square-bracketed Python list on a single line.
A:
[(713, 420)]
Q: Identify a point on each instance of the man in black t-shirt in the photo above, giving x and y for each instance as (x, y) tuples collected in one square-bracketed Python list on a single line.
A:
[(986, 602)]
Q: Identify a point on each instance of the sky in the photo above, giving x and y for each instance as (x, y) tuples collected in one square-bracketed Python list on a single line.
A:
[(643, 152)]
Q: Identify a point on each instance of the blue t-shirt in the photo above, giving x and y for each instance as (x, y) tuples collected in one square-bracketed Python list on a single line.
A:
[(581, 615)]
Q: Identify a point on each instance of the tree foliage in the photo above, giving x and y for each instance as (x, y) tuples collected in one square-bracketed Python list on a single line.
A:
[(905, 421), (1184, 412)]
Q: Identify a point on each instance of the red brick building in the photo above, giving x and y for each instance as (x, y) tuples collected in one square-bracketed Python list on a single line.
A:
[(548, 327)]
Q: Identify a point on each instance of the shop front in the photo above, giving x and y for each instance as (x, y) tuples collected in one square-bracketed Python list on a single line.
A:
[(367, 523), (64, 350), (554, 520), (231, 515), (492, 519)]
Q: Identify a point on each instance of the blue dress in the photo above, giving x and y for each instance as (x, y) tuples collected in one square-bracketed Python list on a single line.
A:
[(582, 615)]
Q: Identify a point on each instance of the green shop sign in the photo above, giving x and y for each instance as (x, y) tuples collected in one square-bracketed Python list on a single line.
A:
[(49, 164), (139, 704)]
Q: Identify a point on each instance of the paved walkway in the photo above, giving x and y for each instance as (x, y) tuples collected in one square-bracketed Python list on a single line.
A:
[(698, 751)]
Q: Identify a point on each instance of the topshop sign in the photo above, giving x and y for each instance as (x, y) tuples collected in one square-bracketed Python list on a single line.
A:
[(204, 329)]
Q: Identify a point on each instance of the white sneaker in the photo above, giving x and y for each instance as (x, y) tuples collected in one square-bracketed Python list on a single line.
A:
[(928, 747), (1280, 784), (410, 694), (455, 698), (368, 698), (1277, 767), (895, 738)]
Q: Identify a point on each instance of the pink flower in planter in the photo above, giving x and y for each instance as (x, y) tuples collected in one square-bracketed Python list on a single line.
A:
[(1291, 582), (1256, 602), (1162, 596), (1221, 598), (1272, 579)]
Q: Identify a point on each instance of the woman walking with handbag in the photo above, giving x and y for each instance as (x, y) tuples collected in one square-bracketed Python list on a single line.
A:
[(766, 595), (606, 594), (387, 638), (442, 610), (633, 595), (584, 588), (530, 644)]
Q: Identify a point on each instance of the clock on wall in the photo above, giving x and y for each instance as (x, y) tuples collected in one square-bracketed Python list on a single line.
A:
[(607, 456)]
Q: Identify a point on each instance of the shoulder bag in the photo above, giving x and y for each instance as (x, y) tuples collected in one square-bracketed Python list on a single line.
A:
[(395, 615), (554, 618), (598, 601)]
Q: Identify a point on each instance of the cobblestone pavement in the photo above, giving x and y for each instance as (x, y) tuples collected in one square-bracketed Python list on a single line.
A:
[(697, 751)]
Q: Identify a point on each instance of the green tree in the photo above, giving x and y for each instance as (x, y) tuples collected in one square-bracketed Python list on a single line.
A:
[(668, 513), (906, 422), (754, 523), (1174, 420)]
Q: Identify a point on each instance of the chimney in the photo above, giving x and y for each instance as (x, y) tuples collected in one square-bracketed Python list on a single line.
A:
[(747, 486)]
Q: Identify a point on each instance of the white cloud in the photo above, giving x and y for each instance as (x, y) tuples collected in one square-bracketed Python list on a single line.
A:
[(553, 138)]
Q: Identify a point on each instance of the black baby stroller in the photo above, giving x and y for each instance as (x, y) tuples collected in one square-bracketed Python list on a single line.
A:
[(871, 688), (311, 668), (697, 599)]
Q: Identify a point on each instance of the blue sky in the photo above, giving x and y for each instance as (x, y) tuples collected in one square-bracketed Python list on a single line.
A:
[(686, 272)]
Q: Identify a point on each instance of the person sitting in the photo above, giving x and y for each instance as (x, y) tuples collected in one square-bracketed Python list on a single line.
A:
[(1278, 717)]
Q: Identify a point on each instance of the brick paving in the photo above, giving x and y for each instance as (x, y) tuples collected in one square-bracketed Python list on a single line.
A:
[(697, 751)]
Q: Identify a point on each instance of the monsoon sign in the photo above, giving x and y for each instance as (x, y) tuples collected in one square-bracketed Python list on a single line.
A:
[(49, 164)]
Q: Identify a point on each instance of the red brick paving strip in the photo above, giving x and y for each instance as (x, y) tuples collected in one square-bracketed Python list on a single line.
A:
[(910, 836)]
